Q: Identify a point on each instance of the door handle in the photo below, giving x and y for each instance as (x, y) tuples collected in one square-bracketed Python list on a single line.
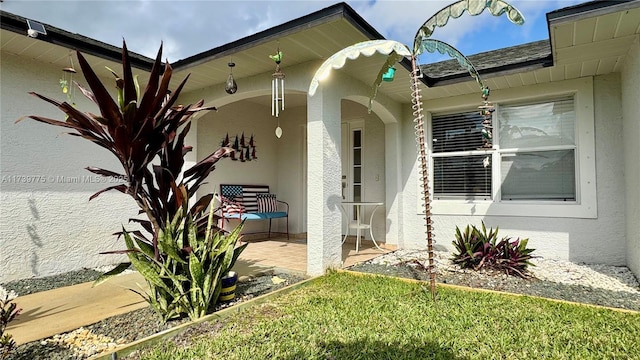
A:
[(344, 186)]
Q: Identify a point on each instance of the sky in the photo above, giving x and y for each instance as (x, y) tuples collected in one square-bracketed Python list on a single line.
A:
[(186, 28)]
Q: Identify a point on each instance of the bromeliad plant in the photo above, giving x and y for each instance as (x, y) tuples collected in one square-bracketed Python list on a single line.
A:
[(184, 253), (477, 249)]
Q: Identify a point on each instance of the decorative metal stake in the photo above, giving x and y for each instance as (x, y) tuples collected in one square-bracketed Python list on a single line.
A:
[(418, 119)]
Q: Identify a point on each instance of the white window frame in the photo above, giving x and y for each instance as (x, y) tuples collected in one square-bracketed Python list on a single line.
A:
[(585, 205)]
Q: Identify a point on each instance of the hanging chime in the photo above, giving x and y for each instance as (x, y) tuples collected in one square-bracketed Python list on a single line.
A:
[(277, 90), (486, 110), (66, 82)]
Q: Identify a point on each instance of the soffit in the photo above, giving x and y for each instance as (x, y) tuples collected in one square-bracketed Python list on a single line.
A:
[(582, 43), (315, 41)]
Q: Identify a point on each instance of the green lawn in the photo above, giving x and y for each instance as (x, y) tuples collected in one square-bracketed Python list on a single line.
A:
[(344, 316)]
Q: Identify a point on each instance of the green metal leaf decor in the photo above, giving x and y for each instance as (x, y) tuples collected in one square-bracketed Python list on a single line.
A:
[(472, 7), (366, 48), (432, 45), (392, 59)]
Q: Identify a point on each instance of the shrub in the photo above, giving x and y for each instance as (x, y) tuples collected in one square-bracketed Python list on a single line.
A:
[(476, 248), (184, 254), (8, 312)]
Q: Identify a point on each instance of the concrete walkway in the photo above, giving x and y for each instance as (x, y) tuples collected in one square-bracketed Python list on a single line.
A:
[(65, 309)]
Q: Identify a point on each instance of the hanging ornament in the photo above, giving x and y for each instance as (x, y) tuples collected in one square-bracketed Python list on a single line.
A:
[(389, 74), (486, 110), (277, 89), (66, 82), (231, 87)]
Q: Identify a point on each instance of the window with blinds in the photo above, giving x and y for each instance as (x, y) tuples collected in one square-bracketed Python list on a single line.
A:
[(459, 168), (536, 156), (538, 151)]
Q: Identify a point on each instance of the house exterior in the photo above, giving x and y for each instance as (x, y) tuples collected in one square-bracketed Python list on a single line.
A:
[(563, 171)]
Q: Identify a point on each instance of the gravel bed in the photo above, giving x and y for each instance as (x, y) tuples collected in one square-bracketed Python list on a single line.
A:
[(34, 285), (106, 335), (611, 286)]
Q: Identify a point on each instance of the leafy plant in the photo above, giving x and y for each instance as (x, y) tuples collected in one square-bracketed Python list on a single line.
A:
[(476, 248), (8, 312), (188, 280), (146, 132)]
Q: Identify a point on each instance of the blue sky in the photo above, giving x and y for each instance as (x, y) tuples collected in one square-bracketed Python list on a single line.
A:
[(189, 27)]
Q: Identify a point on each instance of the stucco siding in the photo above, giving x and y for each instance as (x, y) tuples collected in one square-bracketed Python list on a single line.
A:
[(234, 119), (579, 239), (47, 223), (631, 130)]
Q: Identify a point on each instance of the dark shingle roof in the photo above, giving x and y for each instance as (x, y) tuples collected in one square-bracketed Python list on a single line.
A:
[(532, 55)]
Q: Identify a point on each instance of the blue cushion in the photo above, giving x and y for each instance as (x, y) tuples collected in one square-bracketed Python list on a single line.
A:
[(276, 214), (257, 216)]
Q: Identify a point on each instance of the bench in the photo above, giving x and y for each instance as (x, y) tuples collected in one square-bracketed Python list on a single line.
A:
[(252, 202)]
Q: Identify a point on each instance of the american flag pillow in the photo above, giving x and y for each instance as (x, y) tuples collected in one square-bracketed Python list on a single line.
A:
[(232, 205), (267, 202)]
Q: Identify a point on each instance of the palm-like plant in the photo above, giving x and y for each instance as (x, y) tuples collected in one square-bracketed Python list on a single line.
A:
[(396, 51), (146, 132)]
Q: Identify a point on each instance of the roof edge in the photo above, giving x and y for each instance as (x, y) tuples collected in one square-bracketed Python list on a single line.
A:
[(590, 9), (336, 11), (18, 24)]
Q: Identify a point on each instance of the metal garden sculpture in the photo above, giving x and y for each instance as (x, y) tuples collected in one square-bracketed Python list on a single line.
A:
[(396, 51)]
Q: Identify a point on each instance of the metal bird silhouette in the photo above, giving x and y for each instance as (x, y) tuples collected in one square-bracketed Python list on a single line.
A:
[(277, 57)]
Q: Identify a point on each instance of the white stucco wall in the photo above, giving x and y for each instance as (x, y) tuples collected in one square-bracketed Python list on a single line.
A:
[(631, 133), (233, 119), (48, 225), (579, 239)]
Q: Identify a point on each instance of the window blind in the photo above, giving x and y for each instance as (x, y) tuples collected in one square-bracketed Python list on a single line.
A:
[(457, 132), (548, 123)]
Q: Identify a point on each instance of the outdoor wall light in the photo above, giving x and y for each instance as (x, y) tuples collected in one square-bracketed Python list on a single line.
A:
[(231, 86)]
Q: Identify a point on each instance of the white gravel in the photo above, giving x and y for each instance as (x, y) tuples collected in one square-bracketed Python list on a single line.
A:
[(607, 277)]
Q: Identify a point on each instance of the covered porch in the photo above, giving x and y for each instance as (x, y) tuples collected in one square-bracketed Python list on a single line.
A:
[(265, 253)]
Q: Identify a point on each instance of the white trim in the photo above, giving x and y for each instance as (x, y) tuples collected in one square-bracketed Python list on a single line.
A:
[(585, 205)]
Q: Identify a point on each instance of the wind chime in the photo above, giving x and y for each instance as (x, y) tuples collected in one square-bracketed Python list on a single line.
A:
[(486, 110), (277, 90), (66, 82), (246, 149)]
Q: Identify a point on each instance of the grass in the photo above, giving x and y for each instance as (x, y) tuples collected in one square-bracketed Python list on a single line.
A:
[(345, 316)]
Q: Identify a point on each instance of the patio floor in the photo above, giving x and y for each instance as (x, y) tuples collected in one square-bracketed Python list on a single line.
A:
[(292, 254)]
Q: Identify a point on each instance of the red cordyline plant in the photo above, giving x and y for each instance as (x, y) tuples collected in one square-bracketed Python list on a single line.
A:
[(146, 132)]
